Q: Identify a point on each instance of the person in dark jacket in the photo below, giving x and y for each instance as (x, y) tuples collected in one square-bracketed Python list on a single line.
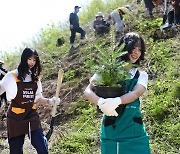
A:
[(74, 26), (174, 14), (3, 72), (24, 89), (100, 25)]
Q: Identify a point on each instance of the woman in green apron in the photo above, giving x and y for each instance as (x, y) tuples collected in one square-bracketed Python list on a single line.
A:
[(124, 133)]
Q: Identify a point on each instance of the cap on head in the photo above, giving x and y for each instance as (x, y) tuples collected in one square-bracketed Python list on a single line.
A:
[(124, 10), (77, 7), (99, 14)]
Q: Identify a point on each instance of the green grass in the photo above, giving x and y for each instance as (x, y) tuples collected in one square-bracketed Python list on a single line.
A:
[(81, 134)]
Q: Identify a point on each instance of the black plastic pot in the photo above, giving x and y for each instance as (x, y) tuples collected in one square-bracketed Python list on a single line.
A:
[(111, 92)]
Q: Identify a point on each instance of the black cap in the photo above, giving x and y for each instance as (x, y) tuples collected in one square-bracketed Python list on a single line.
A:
[(77, 7)]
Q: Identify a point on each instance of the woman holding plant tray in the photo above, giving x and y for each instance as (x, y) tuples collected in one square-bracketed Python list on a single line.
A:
[(124, 133)]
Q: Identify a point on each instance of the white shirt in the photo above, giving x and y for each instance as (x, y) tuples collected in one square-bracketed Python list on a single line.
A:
[(143, 77), (8, 84)]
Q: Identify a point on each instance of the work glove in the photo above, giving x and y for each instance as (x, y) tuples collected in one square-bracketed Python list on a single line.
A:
[(110, 105), (101, 103), (113, 113), (54, 100)]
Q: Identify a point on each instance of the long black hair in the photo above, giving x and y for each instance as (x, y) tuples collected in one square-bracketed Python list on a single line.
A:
[(130, 41), (23, 68)]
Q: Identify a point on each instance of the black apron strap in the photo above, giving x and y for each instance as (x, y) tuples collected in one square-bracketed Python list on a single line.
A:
[(136, 76)]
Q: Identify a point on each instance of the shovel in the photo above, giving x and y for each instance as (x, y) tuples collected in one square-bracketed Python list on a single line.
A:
[(59, 83)]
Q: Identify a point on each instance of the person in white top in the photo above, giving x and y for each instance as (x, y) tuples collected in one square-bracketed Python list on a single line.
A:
[(124, 132), (24, 89)]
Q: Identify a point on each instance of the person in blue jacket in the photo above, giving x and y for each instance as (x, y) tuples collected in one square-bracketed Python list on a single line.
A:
[(74, 26), (124, 133)]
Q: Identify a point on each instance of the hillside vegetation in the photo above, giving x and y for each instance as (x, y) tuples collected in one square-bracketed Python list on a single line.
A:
[(79, 131)]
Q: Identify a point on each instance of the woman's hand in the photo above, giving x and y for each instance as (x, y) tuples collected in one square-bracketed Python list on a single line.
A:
[(93, 98), (42, 101), (54, 100), (109, 105), (71, 26)]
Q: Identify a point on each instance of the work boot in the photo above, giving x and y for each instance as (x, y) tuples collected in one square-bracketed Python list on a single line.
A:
[(83, 36), (72, 46), (72, 50)]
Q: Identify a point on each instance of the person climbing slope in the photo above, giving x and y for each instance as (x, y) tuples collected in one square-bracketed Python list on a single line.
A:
[(74, 26)]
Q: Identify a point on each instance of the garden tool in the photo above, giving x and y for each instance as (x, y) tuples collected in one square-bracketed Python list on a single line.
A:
[(53, 114)]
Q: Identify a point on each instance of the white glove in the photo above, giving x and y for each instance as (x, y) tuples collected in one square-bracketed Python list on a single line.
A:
[(54, 100), (102, 101), (110, 105), (113, 113)]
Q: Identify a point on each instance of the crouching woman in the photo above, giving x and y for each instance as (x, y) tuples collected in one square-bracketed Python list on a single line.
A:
[(124, 133)]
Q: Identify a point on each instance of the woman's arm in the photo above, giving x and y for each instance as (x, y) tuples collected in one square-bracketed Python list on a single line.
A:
[(127, 98), (137, 91), (133, 95), (90, 95), (42, 101), (8, 84), (39, 99), (109, 105)]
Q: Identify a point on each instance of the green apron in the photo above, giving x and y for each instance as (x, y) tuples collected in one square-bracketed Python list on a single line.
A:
[(127, 135)]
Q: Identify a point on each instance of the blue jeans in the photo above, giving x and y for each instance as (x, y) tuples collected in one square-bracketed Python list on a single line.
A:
[(38, 140)]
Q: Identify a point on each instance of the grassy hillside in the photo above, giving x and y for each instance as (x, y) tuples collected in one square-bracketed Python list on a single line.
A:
[(79, 131)]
